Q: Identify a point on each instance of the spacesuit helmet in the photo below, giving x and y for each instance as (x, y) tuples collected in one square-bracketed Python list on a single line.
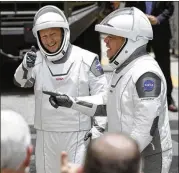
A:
[(52, 17), (131, 24)]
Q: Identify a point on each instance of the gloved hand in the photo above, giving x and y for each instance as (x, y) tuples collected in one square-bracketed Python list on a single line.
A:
[(88, 135), (57, 99), (30, 58), (94, 133)]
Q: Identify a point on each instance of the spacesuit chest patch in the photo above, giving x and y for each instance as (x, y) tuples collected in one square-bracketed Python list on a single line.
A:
[(96, 68), (148, 85)]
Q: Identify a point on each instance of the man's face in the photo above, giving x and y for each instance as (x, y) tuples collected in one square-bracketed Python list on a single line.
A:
[(113, 43), (51, 38)]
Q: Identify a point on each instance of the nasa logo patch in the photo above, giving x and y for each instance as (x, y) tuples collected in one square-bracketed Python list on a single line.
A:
[(148, 85), (98, 66)]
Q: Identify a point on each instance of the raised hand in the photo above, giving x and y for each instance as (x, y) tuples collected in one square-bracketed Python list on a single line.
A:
[(31, 57)]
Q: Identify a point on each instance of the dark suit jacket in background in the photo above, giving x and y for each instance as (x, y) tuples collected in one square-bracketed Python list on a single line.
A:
[(163, 10)]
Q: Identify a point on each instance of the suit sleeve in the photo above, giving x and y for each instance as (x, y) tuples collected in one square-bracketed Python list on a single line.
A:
[(95, 104), (167, 12), (147, 98)]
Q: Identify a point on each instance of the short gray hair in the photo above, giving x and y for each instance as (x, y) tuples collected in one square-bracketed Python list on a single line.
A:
[(15, 139)]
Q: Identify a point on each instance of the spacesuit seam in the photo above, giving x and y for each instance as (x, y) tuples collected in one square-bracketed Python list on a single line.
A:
[(44, 152), (121, 103), (85, 63), (88, 68), (41, 101), (79, 128), (76, 147), (133, 91)]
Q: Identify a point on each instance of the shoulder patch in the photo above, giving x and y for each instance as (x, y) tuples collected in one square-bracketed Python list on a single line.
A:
[(148, 85), (96, 68)]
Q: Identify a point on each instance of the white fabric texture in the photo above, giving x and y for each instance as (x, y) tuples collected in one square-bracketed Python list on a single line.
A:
[(73, 78), (49, 146)]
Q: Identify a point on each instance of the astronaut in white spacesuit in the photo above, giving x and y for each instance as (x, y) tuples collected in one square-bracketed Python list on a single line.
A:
[(136, 102), (61, 67)]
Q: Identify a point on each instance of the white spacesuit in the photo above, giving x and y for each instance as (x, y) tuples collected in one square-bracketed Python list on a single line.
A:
[(136, 103), (70, 70)]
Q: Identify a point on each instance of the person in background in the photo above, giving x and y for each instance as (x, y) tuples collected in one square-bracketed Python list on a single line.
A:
[(16, 148), (159, 13), (110, 153), (115, 4)]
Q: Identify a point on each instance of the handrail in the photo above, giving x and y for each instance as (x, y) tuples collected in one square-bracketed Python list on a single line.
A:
[(10, 55)]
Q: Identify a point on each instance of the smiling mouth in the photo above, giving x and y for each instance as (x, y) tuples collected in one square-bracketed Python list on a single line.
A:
[(51, 45)]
